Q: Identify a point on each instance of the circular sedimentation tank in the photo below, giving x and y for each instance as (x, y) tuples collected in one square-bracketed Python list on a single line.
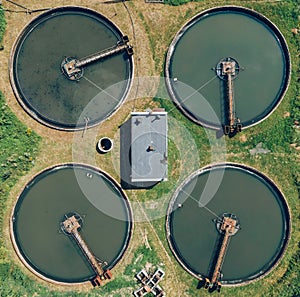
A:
[(59, 193), (42, 86), (262, 222), (259, 51)]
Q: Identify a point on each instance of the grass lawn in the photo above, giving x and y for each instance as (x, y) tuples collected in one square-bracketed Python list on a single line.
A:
[(25, 151)]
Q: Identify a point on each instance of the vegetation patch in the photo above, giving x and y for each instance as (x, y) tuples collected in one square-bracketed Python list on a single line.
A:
[(19, 147), (279, 133)]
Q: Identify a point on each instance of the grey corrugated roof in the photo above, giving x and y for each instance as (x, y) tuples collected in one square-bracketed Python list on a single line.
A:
[(149, 146)]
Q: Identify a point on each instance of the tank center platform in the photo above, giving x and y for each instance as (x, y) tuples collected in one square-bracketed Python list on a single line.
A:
[(71, 225), (215, 35), (238, 235), (73, 68), (227, 70), (89, 49), (227, 67), (79, 239), (227, 225)]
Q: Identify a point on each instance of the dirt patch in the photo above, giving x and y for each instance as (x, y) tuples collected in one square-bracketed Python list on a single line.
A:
[(150, 27)]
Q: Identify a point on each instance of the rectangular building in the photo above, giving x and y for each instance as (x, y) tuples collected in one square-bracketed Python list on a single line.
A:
[(149, 146)]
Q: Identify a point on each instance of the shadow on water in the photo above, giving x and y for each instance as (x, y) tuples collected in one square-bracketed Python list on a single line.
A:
[(215, 255), (224, 106), (224, 103)]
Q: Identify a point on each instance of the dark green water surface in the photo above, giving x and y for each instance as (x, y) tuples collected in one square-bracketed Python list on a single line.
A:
[(49, 95), (42, 206), (264, 221), (235, 33)]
